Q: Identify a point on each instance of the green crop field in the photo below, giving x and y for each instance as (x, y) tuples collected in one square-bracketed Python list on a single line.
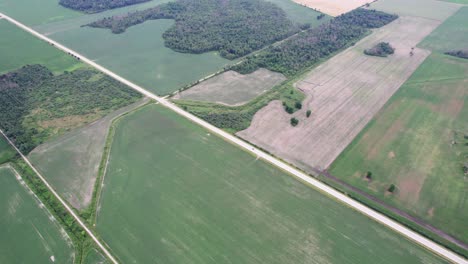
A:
[(18, 48), (6, 151), (451, 35), (432, 9), (28, 235), (419, 143), (176, 194), (34, 12)]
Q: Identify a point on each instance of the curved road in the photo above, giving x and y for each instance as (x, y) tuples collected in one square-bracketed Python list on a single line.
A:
[(406, 232)]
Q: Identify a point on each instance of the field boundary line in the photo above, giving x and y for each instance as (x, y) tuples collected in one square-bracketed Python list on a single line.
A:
[(320, 186), (67, 207)]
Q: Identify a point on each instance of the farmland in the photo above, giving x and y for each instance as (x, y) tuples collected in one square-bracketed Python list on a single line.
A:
[(343, 94), (232, 88), (333, 7), (154, 66), (176, 194), (453, 29), (430, 9), (79, 153), (417, 143), (18, 48), (28, 233)]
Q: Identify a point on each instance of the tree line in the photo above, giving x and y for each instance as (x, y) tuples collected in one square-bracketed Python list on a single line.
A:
[(309, 47), (95, 6), (234, 27)]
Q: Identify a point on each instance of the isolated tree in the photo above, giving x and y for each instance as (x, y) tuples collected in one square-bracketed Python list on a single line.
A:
[(308, 113), (294, 122), (391, 188), (368, 175)]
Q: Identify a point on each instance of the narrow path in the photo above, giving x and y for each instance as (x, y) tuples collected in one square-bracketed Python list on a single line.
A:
[(406, 232)]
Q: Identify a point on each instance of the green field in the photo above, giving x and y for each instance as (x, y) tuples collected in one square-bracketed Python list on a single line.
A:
[(419, 142), (6, 151), (432, 9), (18, 48), (299, 13), (34, 12), (176, 194), (451, 35), (463, 2), (27, 234)]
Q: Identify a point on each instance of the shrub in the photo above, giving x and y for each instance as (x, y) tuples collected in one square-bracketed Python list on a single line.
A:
[(391, 188), (298, 105), (308, 113), (294, 122)]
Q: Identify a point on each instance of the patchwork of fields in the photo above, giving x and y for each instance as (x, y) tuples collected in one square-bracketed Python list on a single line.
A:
[(29, 234), (343, 95), (418, 142), (174, 193)]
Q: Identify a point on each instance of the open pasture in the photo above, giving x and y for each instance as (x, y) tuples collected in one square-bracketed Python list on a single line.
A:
[(333, 7), (18, 48), (232, 88), (419, 142), (28, 234), (71, 162), (451, 35), (343, 95), (174, 193), (430, 9)]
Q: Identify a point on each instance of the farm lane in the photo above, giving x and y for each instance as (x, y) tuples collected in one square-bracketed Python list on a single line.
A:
[(406, 232)]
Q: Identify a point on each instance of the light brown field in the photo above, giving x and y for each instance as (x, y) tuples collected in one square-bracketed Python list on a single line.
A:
[(232, 88), (333, 7), (343, 94), (71, 162)]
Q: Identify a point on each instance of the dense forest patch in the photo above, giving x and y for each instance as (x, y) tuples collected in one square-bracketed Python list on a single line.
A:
[(36, 105), (95, 6), (233, 27), (382, 49), (307, 48), (458, 53)]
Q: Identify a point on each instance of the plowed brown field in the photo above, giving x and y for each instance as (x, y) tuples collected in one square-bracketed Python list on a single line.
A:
[(343, 94)]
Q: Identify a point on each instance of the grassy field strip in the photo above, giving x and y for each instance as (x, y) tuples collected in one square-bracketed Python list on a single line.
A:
[(27, 225), (416, 237), (69, 209)]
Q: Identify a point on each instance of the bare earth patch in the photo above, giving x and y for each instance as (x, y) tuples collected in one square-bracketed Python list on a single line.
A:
[(71, 162), (343, 94), (333, 7), (232, 88)]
